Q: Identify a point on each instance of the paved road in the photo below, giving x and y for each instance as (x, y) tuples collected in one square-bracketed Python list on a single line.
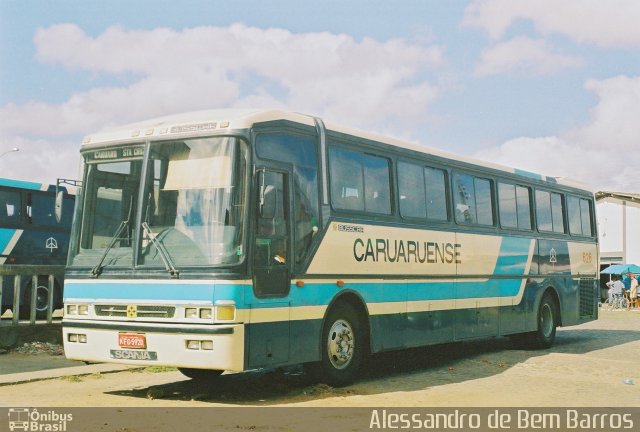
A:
[(595, 364), (14, 362)]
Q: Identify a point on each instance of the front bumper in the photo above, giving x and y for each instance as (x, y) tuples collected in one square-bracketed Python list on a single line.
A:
[(166, 344)]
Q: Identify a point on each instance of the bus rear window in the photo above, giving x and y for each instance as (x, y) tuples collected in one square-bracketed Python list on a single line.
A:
[(579, 211)]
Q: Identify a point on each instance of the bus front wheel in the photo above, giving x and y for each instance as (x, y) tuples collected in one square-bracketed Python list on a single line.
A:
[(343, 347)]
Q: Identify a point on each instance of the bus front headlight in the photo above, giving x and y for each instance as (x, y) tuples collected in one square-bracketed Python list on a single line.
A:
[(225, 310)]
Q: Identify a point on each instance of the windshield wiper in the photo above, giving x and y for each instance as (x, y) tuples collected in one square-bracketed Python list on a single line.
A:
[(95, 271), (164, 254)]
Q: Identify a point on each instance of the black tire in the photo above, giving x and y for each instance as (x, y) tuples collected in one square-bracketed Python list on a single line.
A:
[(201, 374), (42, 299), (547, 320), (344, 345)]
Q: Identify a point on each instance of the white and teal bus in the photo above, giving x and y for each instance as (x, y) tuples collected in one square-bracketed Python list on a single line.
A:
[(232, 240)]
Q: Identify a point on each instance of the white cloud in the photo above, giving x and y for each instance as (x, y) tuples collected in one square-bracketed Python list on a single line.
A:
[(603, 153), (611, 23), (615, 120), (39, 160), (365, 83), (550, 156), (205, 66), (523, 54)]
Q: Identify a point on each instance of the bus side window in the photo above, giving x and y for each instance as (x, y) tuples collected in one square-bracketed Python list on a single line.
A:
[(484, 201), (464, 199), (436, 190), (473, 200), (411, 186), (359, 181), (513, 206), (346, 179), (585, 214), (271, 217), (28, 208), (579, 211), (507, 207), (557, 212), (301, 151), (10, 211), (271, 226), (549, 210), (376, 184), (523, 202), (543, 210), (575, 220)]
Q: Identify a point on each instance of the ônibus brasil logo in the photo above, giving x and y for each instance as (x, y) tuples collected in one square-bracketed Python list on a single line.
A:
[(31, 420)]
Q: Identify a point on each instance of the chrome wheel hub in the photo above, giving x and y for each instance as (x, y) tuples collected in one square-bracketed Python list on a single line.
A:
[(546, 320), (340, 344)]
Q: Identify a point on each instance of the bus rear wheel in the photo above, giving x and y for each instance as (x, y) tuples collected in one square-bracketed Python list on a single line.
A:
[(343, 347), (547, 320), (201, 374), (545, 335)]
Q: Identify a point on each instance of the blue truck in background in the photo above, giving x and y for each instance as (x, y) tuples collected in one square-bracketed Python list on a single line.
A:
[(35, 223)]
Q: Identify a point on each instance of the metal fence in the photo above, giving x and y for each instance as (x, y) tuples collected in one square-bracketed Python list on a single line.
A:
[(12, 277)]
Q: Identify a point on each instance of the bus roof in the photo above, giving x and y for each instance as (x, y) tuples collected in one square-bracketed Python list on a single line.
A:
[(198, 123)]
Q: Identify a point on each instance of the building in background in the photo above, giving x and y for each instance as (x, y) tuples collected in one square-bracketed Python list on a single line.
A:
[(618, 227), (618, 217)]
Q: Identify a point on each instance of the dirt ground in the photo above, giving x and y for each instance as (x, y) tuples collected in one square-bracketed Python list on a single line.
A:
[(595, 364)]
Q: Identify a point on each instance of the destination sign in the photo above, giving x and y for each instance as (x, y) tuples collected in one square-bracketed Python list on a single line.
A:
[(115, 153)]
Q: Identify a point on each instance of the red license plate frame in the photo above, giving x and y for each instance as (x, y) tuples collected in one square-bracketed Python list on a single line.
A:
[(132, 340)]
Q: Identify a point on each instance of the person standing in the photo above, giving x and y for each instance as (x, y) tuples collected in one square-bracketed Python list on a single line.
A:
[(633, 291), (616, 289)]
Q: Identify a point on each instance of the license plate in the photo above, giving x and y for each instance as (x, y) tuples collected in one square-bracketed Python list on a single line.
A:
[(132, 340)]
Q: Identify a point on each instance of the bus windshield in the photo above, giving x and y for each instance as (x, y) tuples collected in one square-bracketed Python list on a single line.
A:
[(191, 211)]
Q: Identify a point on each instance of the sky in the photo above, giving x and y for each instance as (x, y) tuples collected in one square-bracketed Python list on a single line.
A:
[(542, 85)]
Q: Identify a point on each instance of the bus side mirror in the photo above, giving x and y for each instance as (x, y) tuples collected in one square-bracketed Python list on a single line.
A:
[(58, 205)]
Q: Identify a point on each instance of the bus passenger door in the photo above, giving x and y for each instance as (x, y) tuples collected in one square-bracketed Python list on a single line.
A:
[(269, 329), (271, 250)]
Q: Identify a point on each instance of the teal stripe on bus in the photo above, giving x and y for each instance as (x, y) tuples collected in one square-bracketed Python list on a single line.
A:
[(312, 294), (152, 291), (512, 261), (20, 184), (5, 237), (514, 256), (528, 174)]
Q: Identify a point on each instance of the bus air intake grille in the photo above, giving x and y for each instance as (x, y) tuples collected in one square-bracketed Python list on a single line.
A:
[(142, 311), (587, 298)]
